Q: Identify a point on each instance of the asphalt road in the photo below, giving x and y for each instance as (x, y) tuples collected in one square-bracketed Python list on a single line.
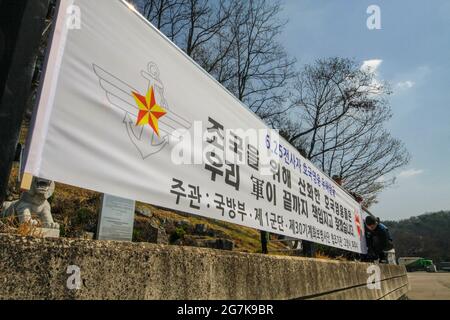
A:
[(429, 286)]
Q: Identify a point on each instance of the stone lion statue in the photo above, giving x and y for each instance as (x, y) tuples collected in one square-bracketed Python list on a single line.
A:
[(33, 204)]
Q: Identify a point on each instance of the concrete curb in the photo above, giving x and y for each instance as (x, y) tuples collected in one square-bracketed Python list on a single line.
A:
[(33, 268)]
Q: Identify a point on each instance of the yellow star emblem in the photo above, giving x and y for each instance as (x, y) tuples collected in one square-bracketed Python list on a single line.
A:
[(149, 111)]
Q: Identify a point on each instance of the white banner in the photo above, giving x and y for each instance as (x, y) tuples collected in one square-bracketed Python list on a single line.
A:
[(123, 111)]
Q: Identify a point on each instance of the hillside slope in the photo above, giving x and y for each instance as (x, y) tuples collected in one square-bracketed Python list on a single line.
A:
[(425, 236)]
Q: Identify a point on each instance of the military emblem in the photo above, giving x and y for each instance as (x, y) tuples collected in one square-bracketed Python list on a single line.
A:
[(148, 118)]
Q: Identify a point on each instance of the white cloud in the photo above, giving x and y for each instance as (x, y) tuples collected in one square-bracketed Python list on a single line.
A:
[(371, 65), (410, 173), (406, 84), (412, 79)]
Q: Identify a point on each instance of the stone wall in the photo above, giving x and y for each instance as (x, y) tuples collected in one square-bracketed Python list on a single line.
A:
[(33, 268)]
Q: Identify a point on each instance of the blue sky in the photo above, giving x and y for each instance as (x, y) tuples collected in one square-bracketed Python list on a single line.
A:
[(412, 52)]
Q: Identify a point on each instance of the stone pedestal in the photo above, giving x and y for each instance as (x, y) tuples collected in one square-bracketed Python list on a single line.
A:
[(48, 233)]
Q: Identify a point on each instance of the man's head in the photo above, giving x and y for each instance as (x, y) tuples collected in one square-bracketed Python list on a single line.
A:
[(371, 223)]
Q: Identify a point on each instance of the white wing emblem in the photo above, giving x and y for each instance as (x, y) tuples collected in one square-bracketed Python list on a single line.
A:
[(120, 94)]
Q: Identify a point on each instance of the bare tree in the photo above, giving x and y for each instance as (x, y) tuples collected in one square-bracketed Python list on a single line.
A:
[(262, 70), (194, 25), (339, 123), (166, 15), (235, 41)]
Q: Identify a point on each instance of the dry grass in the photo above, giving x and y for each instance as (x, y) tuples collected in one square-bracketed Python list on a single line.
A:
[(323, 256), (11, 225), (245, 239)]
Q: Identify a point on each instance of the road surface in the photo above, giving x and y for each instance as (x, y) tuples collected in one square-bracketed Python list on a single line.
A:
[(429, 286)]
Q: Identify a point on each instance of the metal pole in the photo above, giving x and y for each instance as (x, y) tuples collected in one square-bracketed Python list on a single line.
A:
[(22, 23), (264, 242)]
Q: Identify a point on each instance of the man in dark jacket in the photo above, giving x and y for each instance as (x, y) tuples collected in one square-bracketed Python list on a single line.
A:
[(379, 241)]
